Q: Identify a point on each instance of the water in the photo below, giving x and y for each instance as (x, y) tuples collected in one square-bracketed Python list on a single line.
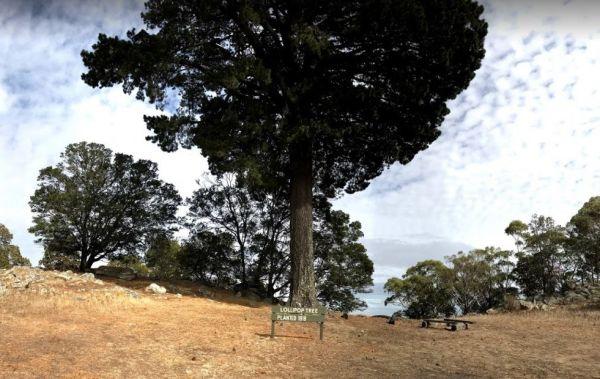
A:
[(375, 301)]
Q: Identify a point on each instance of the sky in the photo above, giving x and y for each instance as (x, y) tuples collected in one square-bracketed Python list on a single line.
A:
[(524, 138)]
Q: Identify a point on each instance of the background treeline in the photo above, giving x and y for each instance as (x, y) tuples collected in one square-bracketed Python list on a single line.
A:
[(96, 206), (548, 260)]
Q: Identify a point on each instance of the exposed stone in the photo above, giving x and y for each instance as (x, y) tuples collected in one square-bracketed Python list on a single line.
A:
[(492, 311), (123, 273), (132, 294), (88, 276), (552, 300), (206, 293), (526, 305), (155, 288)]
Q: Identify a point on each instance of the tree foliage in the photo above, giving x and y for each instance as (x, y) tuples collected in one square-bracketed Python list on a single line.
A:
[(10, 255), (542, 266), (97, 205), (480, 278), (315, 96), (257, 224), (209, 257), (162, 257), (425, 290), (584, 240), (342, 265)]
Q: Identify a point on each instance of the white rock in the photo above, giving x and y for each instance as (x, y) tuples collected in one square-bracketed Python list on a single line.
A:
[(155, 288), (526, 305), (88, 276)]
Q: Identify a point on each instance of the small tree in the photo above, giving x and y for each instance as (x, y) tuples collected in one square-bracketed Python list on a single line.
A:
[(60, 260), (209, 257), (10, 255), (517, 229), (163, 257), (225, 206), (480, 278), (541, 267), (96, 205), (342, 265), (310, 96), (424, 291)]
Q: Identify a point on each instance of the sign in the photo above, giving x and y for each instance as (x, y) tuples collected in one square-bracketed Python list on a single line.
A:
[(298, 314)]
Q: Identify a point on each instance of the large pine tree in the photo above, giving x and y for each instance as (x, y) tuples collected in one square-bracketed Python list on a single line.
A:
[(319, 96)]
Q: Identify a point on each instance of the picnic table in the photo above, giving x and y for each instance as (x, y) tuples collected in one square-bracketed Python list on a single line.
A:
[(450, 323)]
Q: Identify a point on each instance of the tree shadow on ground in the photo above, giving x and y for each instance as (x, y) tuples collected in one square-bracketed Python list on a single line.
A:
[(267, 335), (186, 289)]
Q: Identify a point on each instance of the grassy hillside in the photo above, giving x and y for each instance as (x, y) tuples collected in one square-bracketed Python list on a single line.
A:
[(88, 328)]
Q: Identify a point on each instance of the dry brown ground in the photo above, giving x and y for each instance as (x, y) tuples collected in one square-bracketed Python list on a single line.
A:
[(98, 334)]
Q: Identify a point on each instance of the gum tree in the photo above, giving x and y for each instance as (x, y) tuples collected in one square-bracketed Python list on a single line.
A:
[(314, 96), (10, 255)]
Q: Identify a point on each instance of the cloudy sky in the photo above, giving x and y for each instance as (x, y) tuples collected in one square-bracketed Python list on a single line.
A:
[(524, 138)]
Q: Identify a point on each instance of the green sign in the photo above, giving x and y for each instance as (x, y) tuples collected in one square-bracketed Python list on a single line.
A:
[(297, 314), (286, 313)]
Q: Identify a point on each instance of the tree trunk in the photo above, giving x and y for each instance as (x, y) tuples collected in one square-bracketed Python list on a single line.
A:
[(302, 291), (243, 264), (83, 262), (89, 263)]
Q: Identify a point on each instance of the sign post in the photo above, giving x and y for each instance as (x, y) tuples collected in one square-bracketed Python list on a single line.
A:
[(298, 314)]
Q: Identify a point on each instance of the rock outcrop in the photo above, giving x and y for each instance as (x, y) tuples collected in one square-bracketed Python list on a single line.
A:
[(36, 280), (123, 273), (155, 288)]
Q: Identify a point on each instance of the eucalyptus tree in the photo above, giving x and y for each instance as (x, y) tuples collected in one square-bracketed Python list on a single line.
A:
[(584, 240), (10, 255), (315, 96)]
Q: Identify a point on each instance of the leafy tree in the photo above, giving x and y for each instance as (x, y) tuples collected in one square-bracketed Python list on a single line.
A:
[(258, 220), (96, 205), (584, 240), (424, 291), (226, 207), (59, 260), (10, 255), (342, 265), (209, 257), (270, 245), (316, 96), (541, 268), (517, 229), (480, 278), (133, 262), (162, 257)]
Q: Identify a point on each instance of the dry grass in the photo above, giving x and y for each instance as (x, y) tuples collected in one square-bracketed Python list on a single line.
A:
[(100, 332)]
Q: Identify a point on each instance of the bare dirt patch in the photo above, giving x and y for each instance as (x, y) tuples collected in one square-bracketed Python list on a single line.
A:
[(92, 330)]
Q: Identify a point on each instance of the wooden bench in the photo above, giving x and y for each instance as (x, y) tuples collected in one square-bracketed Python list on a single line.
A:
[(450, 322)]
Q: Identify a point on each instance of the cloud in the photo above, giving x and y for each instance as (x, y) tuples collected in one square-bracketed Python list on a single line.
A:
[(393, 256), (523, 138), (44, 105)]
